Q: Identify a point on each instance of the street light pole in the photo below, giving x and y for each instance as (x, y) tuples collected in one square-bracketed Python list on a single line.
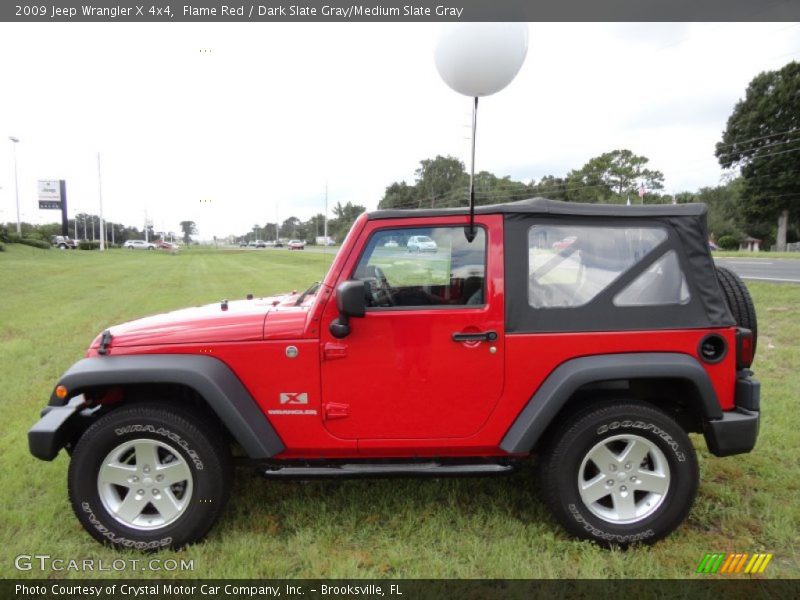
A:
[(15, 141), (100, 194)]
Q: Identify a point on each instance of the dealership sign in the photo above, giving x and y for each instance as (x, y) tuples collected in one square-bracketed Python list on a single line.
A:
[(49, 194)]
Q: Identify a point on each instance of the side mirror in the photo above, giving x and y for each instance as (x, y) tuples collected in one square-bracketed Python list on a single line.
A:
[(351, 302)]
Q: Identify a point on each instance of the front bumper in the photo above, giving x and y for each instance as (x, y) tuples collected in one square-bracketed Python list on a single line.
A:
[(52, 431), (736, 432)]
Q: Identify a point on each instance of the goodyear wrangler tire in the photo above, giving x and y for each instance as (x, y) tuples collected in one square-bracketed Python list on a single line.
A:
[(148, 477), (619, 473), (739, 301)]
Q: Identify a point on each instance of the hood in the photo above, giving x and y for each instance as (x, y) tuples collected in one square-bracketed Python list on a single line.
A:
[(243, 320)]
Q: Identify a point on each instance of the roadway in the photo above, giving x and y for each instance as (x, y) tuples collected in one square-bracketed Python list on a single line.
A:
[(774, 270)]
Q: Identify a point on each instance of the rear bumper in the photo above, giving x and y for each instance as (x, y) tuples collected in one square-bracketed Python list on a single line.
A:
[(51, 432), (736, 432)]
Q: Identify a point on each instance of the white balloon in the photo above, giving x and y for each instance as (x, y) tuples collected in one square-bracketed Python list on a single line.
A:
[(480, 59)]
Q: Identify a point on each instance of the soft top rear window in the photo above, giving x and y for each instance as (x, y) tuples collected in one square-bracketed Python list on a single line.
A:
[(569, 265)]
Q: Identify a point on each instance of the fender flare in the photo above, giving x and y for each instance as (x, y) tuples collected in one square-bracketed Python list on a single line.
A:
[(565, 380), (210, 377)]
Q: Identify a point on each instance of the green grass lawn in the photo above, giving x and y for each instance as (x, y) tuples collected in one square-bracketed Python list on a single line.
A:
[(743, 254), (53, 304)]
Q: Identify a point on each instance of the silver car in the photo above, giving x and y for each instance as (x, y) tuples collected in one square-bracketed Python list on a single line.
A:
[(421, 243), (139, 245)]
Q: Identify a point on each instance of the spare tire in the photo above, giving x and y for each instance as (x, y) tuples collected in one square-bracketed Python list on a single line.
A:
[(739, 301)]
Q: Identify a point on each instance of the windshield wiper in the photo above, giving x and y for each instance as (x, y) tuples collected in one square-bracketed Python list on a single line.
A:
[(314, 287)]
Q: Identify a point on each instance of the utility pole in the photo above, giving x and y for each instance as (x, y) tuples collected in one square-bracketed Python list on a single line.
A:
[(100, 195), (325, 234), (15, 141)]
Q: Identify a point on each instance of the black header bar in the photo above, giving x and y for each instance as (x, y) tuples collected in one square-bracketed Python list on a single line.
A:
[(160, 11)]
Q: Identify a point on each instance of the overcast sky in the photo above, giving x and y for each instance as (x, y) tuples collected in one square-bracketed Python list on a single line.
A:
[(255, 118)]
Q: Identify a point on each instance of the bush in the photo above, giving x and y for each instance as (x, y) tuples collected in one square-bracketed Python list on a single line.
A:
[(2, 247), (728, 242), (29, 242), (86, 245)]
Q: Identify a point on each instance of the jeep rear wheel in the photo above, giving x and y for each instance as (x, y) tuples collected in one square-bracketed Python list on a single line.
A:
[(148, 477), (618, 473)]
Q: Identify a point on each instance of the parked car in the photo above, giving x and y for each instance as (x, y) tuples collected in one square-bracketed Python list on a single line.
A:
[(279, 243), (421, 243), (167, 246), (243, 244), (600, 363), (63, 242), (391, 244), (565, 243), (296, 245), (139, 245)]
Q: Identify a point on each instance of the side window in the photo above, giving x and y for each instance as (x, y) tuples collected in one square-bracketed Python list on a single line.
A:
[(432, 266), (568, 266), (662, 284)]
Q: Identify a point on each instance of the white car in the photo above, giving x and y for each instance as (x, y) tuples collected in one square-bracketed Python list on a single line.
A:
[(139, 245), (421, 243)]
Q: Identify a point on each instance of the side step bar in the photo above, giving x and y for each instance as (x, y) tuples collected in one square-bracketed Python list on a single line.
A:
[(430, 469)]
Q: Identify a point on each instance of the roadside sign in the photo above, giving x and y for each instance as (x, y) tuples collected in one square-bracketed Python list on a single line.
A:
[(49, 194)]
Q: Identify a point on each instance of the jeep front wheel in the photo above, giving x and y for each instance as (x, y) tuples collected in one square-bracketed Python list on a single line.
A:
[(147, 477), (618, 473)]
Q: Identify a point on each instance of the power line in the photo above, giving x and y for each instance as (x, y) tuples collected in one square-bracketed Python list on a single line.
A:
[(765, 146), (763, 137)]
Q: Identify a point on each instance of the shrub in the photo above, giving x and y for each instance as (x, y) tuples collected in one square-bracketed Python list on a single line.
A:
[(87, 245), (2, 247), (29, 242), (728, 242)]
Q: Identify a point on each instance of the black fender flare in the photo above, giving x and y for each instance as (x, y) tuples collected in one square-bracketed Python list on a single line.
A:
[(568, 377), (210, 377)]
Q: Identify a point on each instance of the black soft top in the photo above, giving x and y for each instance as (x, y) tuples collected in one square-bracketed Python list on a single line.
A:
[(687, 237), (543, 206)]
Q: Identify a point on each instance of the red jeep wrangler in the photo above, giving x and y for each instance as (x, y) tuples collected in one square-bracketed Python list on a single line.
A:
[(595, 337)]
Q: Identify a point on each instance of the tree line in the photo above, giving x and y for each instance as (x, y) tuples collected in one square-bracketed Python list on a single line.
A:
[(344, 215), (84, 226)]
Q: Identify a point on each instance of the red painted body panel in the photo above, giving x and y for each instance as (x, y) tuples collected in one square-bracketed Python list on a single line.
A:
[(396, 374), (397, 386)]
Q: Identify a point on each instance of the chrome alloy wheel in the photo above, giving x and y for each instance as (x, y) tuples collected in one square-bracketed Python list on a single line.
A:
[(145, 484), (624, 479)]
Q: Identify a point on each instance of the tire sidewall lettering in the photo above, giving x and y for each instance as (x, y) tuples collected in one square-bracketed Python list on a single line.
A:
[(643, 426), (607, 536), (166, 433), (109, 535)]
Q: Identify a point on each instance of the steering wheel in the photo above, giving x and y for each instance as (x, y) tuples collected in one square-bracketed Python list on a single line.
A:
[(381, 291)]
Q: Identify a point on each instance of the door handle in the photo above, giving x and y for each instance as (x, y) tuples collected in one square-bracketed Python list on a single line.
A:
[(485, 336)]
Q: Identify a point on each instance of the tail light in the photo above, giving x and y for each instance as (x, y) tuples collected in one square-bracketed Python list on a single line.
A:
[(745, 349)]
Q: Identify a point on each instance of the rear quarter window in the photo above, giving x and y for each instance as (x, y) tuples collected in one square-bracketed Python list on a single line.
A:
[(568, 266)]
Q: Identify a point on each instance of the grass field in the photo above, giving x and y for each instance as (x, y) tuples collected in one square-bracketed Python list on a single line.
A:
[(53, 304), (766, 255)]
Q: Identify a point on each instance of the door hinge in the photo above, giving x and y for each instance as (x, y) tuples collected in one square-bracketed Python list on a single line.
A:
[(335, 410), (332, 351)]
